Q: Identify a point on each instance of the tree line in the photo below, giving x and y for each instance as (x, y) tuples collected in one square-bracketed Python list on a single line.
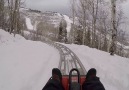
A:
[(10, 18), (101, 25), (96, 23)]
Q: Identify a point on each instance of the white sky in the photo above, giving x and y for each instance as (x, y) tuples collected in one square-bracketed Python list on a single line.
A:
[(61, 6)]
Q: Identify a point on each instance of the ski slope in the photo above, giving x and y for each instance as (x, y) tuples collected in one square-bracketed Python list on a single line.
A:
[(27, 65), (29, 24), (69, 22)]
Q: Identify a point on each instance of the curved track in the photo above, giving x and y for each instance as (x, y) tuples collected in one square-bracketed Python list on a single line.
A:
[(68, 60)]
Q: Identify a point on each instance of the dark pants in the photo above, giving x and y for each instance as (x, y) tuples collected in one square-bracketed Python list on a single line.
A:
[(53, 84), (93, 84), (90, 84)]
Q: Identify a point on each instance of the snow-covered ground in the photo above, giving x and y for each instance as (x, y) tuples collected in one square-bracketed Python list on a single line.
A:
[(112, 70), (29, 24), (24, 64), (27, 65)]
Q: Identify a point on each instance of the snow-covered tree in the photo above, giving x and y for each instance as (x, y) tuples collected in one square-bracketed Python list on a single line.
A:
[(62, 37)]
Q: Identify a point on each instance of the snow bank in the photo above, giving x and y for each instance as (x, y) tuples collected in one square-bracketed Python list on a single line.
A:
[(24, 64), (6, 38), (26, 32), (29, 24), (112, 70)]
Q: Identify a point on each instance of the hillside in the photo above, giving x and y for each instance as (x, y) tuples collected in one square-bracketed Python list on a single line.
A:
[(36, 17), (27, 64), (47, 24)]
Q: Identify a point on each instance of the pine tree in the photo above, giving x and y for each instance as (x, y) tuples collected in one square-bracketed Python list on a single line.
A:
[(62, 37), (78, 36)]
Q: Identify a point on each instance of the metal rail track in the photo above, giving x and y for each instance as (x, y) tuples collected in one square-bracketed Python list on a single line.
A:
[(68, 60)]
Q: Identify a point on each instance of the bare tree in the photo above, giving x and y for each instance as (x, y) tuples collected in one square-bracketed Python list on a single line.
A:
[(121, 46), (96, 16), (83, 6), (115, 24), (14, 18), (83, 17), (73, 8), (114, 29), (94, 12), (103, 25), (2, 20)]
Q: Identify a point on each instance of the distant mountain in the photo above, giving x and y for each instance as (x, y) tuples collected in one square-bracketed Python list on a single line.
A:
[(52, 18), (46, 23), (32, 18)]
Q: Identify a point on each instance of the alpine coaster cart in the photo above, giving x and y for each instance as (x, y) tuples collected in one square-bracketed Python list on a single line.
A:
[(73, 81)]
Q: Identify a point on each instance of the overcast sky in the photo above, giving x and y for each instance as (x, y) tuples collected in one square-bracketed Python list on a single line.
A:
[(62, 6)]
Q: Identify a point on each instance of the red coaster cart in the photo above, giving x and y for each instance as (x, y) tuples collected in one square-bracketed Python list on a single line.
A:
[(73, 82)]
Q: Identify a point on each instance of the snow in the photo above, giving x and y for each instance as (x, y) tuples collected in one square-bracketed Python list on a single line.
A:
[(24, 64), (26, 32), (35, 25), (28, 24), (23, 9), (6, 38), (112, 70), (27, 65), (68, 22), (125, 47), (59, 15)]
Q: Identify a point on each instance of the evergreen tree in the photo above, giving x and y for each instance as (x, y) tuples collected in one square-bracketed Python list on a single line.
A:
[(62, 37), (78, 36)]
